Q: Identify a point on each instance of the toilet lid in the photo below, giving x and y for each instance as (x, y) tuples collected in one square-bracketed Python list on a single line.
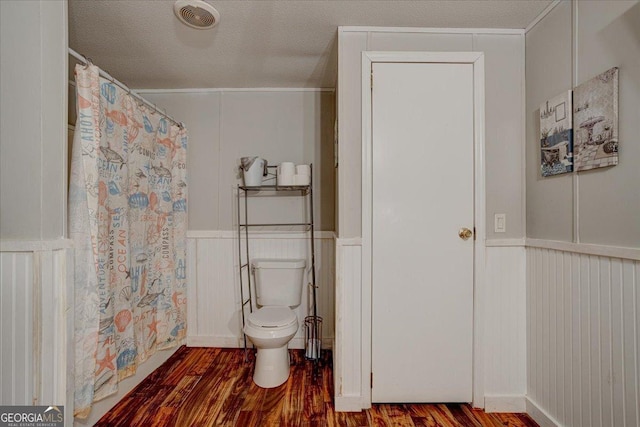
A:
[(272, 317)]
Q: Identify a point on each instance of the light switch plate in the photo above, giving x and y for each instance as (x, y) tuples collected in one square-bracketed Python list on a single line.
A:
[(500, 223)]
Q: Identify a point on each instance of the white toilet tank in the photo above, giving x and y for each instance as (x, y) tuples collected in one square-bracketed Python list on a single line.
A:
[(278, 281)]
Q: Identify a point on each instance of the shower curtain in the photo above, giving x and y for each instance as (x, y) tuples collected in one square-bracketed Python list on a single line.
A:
[(127, 218)]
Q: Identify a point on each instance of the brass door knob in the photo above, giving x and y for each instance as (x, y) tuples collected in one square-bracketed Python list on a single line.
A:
[(465, 233)]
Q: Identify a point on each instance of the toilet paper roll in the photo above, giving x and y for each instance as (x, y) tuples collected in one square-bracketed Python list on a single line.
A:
[(285, 180), (303, 170), (301, 179), (287, 168)]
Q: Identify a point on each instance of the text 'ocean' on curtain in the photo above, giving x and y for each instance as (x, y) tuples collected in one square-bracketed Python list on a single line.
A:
[(128, 220)]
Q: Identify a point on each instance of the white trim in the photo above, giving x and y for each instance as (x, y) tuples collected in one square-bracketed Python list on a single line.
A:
[(347, 404), (34, 245), (508, 403), (367, 219), (263, 234), (541, 16), (384, 56), (477, 59), (357, 29), (587, 249), (237, 89), (539, 415), (505, 243), (480, 233)]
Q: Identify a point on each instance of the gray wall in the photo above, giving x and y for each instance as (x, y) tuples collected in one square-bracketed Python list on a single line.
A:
[(549, 200), (504, 100), (604, 208), (33, 74), (287, 125)]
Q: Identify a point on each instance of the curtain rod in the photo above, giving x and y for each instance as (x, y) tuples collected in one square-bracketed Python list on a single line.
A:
[(108, 76)]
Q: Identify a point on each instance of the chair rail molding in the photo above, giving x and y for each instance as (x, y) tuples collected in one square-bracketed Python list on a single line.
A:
[(586, 248)]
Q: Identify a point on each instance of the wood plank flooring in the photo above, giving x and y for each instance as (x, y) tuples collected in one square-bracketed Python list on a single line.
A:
[(213, 387)]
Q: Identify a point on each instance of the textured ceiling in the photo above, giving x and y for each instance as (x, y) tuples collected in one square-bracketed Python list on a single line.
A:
[(262, 43)]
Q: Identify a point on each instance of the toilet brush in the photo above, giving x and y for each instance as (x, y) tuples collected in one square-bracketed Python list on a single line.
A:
[(313, 329)]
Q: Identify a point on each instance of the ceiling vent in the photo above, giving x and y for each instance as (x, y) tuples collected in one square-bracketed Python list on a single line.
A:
[(196, 14)]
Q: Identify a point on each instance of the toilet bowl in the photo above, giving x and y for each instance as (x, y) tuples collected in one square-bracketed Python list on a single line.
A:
[(270, 329), (278, 284)]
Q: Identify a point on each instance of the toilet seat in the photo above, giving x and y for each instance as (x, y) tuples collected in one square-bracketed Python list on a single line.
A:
[(272, 317)]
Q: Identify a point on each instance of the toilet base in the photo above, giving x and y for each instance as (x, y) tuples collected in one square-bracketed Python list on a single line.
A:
[(272, 367)]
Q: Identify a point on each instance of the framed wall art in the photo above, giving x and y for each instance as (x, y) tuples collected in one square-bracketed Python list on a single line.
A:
[(556, 136), (595, 115)]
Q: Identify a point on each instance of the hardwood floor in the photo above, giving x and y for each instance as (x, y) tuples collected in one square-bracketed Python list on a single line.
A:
[(213, 386)]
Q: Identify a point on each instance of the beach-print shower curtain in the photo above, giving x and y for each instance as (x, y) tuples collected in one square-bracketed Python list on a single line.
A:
[(127, 218)]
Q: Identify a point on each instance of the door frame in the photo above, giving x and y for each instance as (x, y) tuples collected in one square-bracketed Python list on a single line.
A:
[(477, 60)]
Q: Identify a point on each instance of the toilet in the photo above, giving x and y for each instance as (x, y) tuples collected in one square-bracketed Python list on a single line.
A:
[(278, 284)]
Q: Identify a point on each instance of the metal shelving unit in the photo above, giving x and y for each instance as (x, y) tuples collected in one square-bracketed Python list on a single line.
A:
[(244, 193)]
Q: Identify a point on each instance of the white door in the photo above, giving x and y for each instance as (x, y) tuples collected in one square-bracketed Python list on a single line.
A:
[(422, 271)]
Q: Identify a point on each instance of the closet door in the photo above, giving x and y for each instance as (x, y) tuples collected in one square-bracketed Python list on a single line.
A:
[(423, 195)]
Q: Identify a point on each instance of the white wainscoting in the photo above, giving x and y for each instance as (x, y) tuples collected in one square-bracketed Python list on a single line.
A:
[(36, 329), (505, 327), (16, 329), (214, 302), (347, 355), (583, 329)]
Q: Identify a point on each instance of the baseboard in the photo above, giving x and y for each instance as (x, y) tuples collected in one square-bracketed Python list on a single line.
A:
[(235, 342), (348, 404), (540, 416), (505, 403)]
